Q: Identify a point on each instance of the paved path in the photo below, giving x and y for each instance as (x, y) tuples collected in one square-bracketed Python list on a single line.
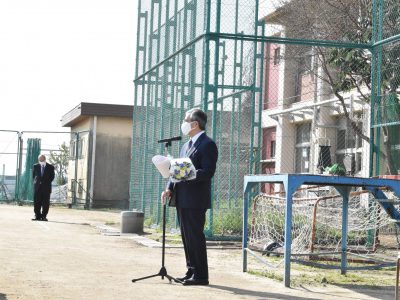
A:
[(68, 258)]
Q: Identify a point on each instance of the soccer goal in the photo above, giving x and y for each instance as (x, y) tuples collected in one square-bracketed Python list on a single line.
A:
[(323, 221)]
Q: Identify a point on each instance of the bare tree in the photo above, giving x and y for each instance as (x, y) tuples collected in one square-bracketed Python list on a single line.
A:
[(347, 69)]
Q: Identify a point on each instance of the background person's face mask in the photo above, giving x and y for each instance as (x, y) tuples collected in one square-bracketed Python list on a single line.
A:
[(186, 128)]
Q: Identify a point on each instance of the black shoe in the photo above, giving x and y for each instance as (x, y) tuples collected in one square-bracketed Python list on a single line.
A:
[(36, 219), (193, 281), (44, 219), (182, 279)]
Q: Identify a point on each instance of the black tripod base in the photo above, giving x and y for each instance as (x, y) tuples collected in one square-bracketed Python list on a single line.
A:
[(163, 273)]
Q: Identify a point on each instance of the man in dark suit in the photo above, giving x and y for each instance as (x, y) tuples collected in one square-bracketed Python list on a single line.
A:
[(193, 197), (43, 175)]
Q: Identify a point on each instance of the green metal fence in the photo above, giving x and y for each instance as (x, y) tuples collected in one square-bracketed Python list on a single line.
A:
[(19, 151), (265, 72)]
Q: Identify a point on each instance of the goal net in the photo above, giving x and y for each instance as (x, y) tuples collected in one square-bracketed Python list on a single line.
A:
[(317, 222)]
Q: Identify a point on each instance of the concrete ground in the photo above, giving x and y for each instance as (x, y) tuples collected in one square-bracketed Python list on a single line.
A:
[(68, 258)]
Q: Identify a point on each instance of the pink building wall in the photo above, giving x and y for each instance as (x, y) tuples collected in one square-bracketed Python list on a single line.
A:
[(269, 136), (271, 96), (271, 86)]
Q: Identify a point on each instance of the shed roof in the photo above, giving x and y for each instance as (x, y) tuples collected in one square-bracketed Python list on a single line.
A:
[(95, 109)]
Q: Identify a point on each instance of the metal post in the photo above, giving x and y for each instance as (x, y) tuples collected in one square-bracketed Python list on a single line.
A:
[(343, 266), (254, 161), (164, 96), (16, 172), (344, 192), (376, 84), (288, 232), (258, 87), (206, 85), (246, 201), (139, 48), (136, 158), (19, 167), (76, 167), (145, 146), (313, 225), (397, 278), (93, 162)]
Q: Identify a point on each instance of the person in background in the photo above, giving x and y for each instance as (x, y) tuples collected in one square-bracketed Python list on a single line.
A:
[(43, 175), (193, 197)]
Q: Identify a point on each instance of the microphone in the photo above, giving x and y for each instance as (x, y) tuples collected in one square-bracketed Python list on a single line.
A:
[(175, 138)]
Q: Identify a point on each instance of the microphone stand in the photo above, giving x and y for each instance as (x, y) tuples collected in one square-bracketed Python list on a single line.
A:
[(163, 271)]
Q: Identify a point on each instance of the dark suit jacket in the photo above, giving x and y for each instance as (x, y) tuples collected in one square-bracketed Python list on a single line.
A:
[(43, 182), (197, 193)]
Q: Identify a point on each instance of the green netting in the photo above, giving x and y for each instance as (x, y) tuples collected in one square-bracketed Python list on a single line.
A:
[(390, 15), (394, 138), (252, 65), (25, 186)]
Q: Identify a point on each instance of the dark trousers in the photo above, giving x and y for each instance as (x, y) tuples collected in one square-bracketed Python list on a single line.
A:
[(192, 223), (41, 203)]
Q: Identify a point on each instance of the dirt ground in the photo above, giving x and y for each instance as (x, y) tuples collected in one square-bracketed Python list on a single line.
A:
[(68, 258)]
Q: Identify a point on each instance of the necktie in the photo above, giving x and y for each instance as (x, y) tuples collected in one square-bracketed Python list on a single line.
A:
[(189, 147), (42, 170)]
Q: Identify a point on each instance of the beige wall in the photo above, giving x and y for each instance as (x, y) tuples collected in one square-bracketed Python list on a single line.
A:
[(112, 162), (114, 126), (112, 171), (82, 125)]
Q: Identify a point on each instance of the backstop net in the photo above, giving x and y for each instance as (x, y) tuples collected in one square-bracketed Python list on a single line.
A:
[(289, 87)]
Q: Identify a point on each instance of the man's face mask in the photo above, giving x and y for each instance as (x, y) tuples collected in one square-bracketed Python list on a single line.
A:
[(43, 163), (186, 127)]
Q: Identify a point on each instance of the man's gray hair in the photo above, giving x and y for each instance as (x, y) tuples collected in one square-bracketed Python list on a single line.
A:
[(40, 155), (198, 115)]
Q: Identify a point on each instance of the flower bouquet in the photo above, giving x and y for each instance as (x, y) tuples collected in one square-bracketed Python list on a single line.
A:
[(182, 169)]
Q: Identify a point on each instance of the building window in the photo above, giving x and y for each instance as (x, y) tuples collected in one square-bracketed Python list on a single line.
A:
[(303, 136), (269, 143), (273, 148), (348, 147), (81, 145), (303, 133), (277, 56), (72, 149), (302, 159), (77, 153)]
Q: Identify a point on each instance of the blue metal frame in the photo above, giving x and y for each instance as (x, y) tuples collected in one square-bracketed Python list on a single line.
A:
[(292, 182)]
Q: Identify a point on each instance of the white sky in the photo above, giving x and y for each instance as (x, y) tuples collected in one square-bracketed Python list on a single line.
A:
[(55, 54)]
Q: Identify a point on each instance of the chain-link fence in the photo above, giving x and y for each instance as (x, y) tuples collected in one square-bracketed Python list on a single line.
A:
[(289, 87), (9, 149), (19, 152)]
